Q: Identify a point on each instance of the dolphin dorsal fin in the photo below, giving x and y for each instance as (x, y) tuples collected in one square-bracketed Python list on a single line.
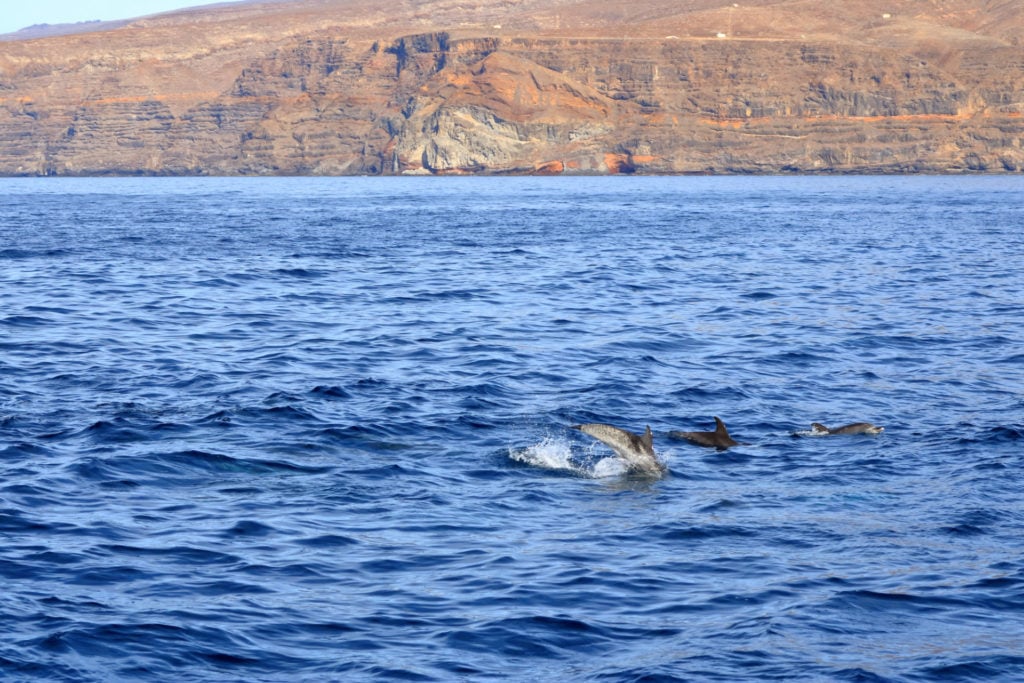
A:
[(720, 427), (648, 439)]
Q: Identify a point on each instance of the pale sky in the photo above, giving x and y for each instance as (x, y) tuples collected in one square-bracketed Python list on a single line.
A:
[(17, 14)]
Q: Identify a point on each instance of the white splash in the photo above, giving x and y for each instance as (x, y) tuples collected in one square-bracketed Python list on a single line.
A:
[(609, 467), (555, 453)]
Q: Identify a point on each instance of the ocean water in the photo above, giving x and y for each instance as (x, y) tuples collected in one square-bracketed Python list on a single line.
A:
[(319, 429)]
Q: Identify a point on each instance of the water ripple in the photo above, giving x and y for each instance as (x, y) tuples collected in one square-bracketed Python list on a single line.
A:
[(318, 429)]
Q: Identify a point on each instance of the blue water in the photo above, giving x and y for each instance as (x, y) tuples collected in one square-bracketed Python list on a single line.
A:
[(318, 429)]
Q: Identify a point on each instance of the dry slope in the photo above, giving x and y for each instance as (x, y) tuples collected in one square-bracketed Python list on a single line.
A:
[(523, 86)]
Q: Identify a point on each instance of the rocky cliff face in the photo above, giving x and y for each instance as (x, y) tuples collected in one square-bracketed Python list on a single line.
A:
[(500, 86)]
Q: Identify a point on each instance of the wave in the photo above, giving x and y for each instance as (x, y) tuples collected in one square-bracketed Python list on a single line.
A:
[(231, 451), (185, 467), (19, 254), (330, 392), (25, 321), (533, 637)]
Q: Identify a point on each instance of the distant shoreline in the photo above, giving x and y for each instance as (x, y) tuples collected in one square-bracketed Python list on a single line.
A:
[(499, 174), (313, 88)]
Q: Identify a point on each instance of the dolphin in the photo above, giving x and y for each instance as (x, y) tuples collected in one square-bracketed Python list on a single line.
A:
[(855, 428), (719, 438), (636, 451)]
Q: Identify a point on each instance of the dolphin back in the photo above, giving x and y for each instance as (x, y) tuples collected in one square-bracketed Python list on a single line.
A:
[(621, 441), (717, 439), (638, 451), (855, 428)]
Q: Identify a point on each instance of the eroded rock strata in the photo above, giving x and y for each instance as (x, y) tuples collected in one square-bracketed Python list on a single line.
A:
[(339, 87)]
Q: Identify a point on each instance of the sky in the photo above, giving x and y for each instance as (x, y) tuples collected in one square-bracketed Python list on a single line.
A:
[(17, 14)]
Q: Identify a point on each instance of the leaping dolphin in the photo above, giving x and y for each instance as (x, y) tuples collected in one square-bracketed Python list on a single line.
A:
[(636, 451), (855, 428), (719, 438)]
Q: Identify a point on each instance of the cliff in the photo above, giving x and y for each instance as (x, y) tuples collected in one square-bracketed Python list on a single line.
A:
[(523, 86)]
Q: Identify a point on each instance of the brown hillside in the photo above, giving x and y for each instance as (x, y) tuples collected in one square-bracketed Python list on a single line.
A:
[(519, 86)]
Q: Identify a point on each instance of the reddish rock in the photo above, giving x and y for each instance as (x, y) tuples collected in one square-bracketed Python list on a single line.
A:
[(549, 168), (489, 86)]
